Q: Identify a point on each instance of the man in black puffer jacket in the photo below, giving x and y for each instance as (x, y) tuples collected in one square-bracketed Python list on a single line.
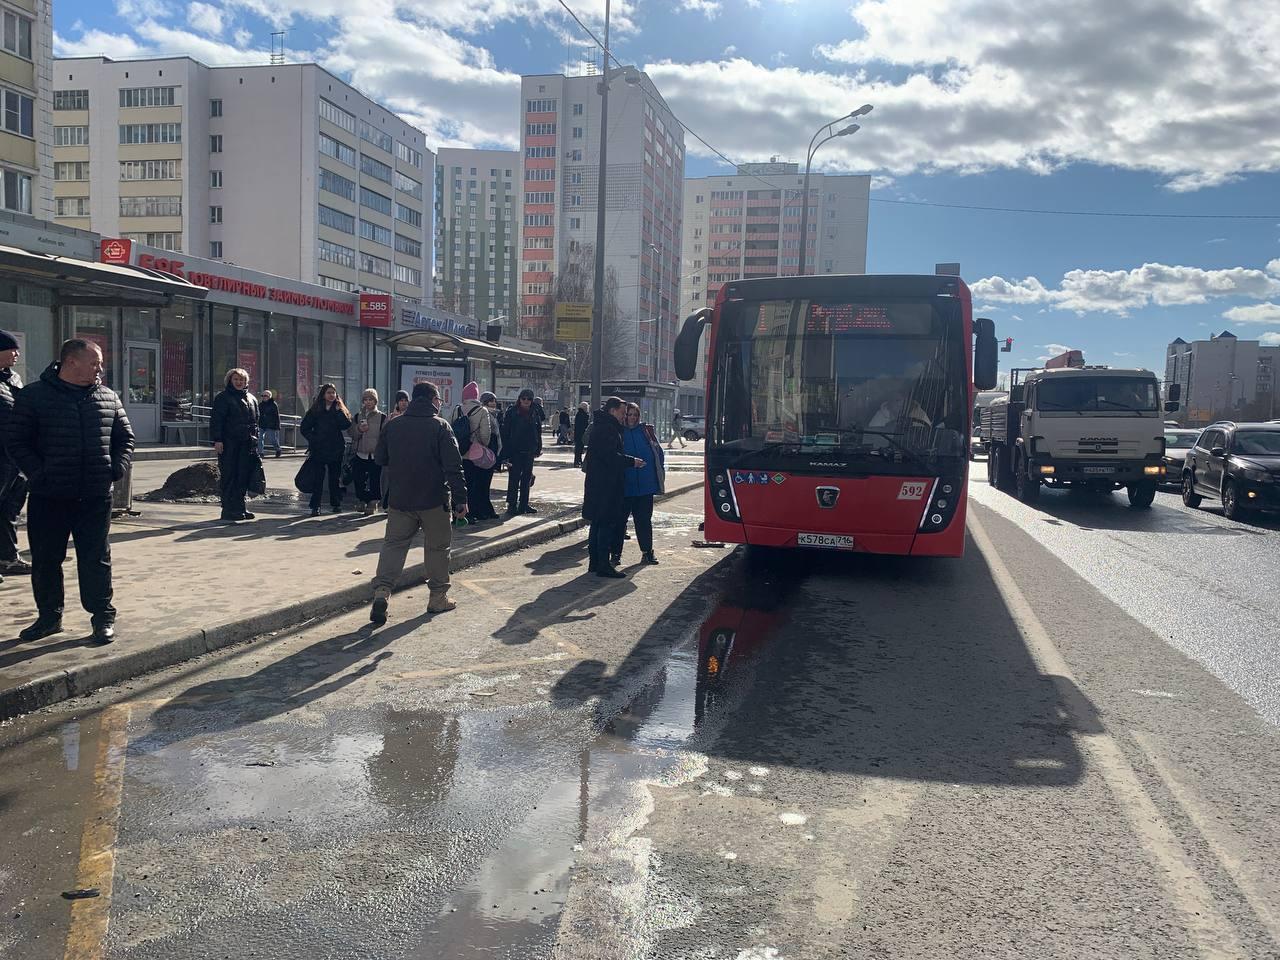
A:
[(13, 485), (70, 436)]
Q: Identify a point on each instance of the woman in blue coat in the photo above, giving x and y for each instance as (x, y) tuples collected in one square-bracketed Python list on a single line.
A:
[(640, 441)]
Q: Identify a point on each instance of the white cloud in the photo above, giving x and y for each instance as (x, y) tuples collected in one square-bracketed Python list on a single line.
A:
[(205, 17), (1217, 240), (729, 51), (1270, 339), (1056, 348), (1119, 291), (1258, 313), (95, 43), (709, 8)]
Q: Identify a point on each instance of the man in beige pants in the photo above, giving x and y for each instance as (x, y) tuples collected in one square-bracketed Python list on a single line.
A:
[(422, 473)]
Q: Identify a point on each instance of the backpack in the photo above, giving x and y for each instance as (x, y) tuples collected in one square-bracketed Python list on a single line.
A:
[(462, 431)]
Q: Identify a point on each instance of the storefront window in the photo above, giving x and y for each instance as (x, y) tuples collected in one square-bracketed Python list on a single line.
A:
[(334, 367), (222, 355), (141, 324), (307, 373), (177, 362), (281, 373), (27, 314), (249, 353), (355, 367), (98, 325)]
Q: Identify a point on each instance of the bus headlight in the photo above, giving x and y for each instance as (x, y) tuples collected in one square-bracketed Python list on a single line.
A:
[(726, 505), (941, 505)]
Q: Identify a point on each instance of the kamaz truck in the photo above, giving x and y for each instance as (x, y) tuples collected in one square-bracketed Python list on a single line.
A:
[(1093, 427)]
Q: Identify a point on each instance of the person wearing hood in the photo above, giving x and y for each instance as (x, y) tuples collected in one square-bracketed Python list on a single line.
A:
[(364, 432), (639, 441), (13, 485), (233, 428), (581, 421), (605, 486), (481, 430), (71, 438), (521, 445)]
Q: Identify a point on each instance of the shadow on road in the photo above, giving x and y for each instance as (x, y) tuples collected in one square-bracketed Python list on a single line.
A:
[(1111, 511)]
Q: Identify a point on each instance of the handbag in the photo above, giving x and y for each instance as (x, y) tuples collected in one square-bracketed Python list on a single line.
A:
[(309, 476), (257, 477), (481, 455)]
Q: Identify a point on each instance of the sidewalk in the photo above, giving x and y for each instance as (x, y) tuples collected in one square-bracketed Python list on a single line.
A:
[(186, 584)]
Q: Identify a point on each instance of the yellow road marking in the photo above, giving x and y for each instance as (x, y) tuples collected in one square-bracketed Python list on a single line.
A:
[(1209, 929), (89, 917)]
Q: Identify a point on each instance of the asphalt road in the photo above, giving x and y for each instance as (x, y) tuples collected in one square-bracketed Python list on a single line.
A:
[(989, 757)]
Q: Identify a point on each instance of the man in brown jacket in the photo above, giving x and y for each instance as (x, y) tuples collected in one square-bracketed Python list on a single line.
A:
[(422, 471)]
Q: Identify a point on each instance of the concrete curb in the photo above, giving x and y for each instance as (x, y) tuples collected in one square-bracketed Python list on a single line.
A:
[(84, 679)]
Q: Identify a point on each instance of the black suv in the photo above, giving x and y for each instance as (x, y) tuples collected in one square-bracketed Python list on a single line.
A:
[(1238, 463)]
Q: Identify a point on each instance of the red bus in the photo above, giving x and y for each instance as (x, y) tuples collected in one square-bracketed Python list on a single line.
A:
[(839, 411)]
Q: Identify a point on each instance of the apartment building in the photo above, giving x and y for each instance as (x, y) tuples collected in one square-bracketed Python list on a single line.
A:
[(748, 225), (477, 204), (26, 134), (560, 145), (1223, 377), (283, 169)]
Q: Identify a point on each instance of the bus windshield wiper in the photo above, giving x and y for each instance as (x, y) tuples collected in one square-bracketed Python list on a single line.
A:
[(907, 452)]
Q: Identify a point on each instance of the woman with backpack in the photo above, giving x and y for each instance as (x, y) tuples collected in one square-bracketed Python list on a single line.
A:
[(366, 475), (473, 428), (325, 427)]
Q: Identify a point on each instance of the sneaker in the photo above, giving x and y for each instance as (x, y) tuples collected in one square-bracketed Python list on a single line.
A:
[(248, 516), (17, 566), (315, 511), (368, 509), (443, 605), (378, 614), (43, 627), (104, 631)]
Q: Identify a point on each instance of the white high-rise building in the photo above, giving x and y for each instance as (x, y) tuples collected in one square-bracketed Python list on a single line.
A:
[(26, 125), (1223, 377), (560, 138), (283, 169)]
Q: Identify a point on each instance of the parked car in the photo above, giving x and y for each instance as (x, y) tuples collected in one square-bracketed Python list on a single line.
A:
[(1177, 444), (1237, 463), (693, 428)]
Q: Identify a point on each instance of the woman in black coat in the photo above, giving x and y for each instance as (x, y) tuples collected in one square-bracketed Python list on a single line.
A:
[(233, 427), (604, 491), (325, 427)]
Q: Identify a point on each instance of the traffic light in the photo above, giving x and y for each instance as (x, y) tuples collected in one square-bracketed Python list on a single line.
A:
[(1008, 345)]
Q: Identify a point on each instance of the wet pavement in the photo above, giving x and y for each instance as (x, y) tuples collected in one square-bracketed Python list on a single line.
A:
[(730, 755)]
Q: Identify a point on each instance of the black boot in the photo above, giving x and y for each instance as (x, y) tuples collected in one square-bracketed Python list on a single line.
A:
[(43, 627), (615, 559), (648, 558)]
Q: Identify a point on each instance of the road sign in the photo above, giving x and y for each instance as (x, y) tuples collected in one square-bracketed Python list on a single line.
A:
[(573, 322)]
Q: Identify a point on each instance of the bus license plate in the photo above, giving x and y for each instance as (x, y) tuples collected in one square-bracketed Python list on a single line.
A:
[(1099, 470), (830, 541)]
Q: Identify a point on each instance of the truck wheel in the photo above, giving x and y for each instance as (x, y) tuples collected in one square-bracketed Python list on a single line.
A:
[(1189, 496), (1142, 495), (1028, 486), (1231, 505), (991, 469), (1004, 475)]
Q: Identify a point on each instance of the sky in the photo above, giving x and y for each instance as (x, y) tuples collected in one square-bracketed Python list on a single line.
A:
[(1164, 107)]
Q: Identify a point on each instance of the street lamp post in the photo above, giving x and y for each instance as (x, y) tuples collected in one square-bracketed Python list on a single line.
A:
[(814, 144)]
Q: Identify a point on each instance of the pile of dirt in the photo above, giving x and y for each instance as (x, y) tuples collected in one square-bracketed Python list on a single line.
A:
[(200, 479)]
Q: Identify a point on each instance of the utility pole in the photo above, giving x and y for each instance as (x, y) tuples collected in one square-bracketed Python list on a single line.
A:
[(597, 311)]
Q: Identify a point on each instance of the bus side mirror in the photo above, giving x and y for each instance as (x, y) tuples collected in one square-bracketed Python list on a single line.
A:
[(986, 354), (686, 349), (1173, 392), (1171, 406)]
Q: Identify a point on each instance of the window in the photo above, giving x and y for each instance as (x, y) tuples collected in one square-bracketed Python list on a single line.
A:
[(575, 200), (71, 99), (408, 155), (371, 231), (375, 168), (336, 219), (408, 275), (698, 199), (17, 34), (540, 153), (215, 214), (409, 246), (150, 170), (373, 135), (413, 217), (542, 174), (539, 198), (575, 223), (17, 191), (215, 246), (408, 185), (169, 206), (577, 109), (71, 171), (577, 133), (375, 265), (540, 106), (215, 143), (337, 116), (215, 179), (537, 219), (537, 243), (336, 184), (335, 284), (575, 178), (575, 155), (540, 129), (338, 150), (19, 114), (537, 288), (164, 241), (72, 207), (375, 201), (147, 97), (215, 110), (336, 253)]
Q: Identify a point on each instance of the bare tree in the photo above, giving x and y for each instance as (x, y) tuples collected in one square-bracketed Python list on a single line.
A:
[(575, 283)]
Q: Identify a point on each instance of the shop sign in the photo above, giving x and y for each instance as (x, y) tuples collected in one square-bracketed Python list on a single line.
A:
[(418, 319), (116, 250), (447, 379), (375, 310), (47, 238), (244, 288)]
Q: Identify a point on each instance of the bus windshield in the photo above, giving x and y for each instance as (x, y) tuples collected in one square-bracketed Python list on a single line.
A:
[(880, 381)]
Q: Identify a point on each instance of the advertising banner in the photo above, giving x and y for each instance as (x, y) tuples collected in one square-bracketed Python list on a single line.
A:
[(116, 250), (447, 379), (248, 359), (375, 310)]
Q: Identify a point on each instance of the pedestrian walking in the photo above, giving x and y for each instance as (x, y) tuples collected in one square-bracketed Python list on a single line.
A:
[(562, 436), (325, 427), (639, 441), (13, 485), (268, 424), (233, 427), (478, 456), (71, 438), (365, 432), (581, 421), (423, 467), (605, 485), (521, 445), (677, 429)]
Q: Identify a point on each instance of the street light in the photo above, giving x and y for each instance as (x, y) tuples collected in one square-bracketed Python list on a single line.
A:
[(814, 144)]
